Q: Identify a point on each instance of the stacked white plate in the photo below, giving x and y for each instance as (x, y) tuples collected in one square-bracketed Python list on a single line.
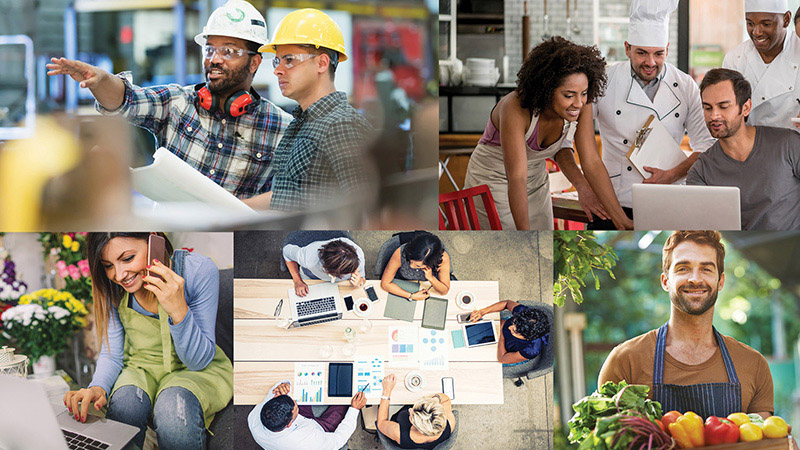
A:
[(481, 72)]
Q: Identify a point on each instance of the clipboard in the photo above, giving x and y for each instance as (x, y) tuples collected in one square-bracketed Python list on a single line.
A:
[(653, 146)]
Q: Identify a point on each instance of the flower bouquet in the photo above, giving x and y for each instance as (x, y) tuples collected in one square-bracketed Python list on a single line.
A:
[(43, 322)]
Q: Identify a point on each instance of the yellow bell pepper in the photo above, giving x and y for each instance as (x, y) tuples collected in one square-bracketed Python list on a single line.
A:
[(688, 430)]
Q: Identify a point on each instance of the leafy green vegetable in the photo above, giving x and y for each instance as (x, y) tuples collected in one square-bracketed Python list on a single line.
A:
[(608, 400)]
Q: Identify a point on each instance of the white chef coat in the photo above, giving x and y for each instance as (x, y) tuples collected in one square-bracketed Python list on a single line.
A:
[(624, 110), (774, 86)]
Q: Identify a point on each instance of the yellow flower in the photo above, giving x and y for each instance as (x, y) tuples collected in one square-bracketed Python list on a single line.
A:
[(67, 241), (75, 246)]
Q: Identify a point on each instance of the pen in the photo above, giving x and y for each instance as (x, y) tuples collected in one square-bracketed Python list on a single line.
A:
[(363, 388), (278, 308)]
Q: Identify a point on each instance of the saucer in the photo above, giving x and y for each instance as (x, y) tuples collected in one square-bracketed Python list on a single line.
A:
[(414, 381), (466, 306), (357, 307)]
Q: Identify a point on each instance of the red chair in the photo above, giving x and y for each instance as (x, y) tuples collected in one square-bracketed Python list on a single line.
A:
[(461, 218)]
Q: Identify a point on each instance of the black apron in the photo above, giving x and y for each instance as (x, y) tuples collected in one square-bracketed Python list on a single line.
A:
[(705, 399)]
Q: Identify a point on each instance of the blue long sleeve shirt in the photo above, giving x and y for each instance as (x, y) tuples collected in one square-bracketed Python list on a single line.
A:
[(193, 338)]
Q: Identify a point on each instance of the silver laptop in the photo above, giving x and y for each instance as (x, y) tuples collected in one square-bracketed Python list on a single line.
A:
[(677, 207), (321, 304), (33, 422)]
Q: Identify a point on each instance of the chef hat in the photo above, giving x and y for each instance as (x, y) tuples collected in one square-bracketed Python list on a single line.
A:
[(649, 26), (766, 6)]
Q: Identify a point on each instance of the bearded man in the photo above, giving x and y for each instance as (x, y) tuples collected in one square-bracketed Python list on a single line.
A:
[(687, 363)]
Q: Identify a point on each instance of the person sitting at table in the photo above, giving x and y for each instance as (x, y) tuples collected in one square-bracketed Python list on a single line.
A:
[(422, 258), (279, 423), (159, 362), (549, 109), (525, 335), (426, 424), (335, 259)]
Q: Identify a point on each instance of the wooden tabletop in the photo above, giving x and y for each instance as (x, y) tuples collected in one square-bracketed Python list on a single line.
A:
[(264, 353)]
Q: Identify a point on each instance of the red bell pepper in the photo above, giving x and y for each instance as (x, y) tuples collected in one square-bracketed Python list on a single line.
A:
[(720, 431)]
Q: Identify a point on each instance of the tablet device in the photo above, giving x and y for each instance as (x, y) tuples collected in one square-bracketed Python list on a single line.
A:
[(479, 333), (340, 380), (434, 315)]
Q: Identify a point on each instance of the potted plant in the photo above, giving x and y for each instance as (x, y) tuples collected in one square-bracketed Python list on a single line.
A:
[(42, 324)]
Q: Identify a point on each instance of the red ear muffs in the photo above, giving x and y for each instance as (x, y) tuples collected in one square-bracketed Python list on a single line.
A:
[(208, 101), (237, 102)]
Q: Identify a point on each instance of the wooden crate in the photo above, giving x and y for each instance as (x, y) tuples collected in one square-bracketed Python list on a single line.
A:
[(764, 444)]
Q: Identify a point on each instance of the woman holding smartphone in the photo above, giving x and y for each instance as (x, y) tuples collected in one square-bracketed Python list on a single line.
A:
[(159, 360), (422, 258)]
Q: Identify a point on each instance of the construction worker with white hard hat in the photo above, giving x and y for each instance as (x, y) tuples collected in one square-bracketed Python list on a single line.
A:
[(220, 127), (322, 156), (770, 61), (643, 86)]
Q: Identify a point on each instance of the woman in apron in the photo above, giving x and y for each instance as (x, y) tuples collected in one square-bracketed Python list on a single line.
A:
[(159, 364), (538, 121)]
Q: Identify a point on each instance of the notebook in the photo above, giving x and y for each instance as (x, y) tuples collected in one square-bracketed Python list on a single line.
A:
[(401, 308), (435, 313)]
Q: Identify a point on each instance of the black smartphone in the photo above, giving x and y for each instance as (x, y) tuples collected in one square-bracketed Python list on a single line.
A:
[(348, 302), (371, 293), (156, 249)]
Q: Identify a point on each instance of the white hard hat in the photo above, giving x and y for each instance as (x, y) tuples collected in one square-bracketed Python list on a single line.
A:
[(238, 19)]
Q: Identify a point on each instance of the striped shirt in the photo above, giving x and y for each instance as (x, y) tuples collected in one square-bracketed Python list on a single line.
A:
[(321, 157), (234, 152)]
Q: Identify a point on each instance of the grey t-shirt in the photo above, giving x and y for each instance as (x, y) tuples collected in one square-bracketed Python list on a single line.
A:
[(768, 180)]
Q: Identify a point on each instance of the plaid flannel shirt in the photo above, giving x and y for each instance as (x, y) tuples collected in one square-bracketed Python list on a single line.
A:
[(234, 152), (320, 157)]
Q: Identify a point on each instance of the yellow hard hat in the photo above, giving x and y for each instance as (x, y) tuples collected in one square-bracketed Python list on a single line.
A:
[(307, 26)]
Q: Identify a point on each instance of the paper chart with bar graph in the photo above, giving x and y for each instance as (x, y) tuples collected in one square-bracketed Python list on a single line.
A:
[(309, 382), (433, 346), (369, 371)]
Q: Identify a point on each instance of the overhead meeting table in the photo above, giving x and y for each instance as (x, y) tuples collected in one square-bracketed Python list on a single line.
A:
[(265, 353)]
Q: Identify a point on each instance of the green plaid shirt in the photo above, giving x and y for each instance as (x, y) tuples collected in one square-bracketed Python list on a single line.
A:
[(320, 157), (233, 152)]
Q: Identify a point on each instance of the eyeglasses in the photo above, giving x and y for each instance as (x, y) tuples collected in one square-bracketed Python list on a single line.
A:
[(224, 52), (290, 60)]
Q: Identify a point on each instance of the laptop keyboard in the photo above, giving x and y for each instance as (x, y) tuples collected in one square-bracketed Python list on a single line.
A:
[(316, 306), (318, 321), (77, 441)]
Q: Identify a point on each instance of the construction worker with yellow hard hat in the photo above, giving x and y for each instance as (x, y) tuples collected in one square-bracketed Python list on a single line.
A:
[(322, 155), (221, 127)]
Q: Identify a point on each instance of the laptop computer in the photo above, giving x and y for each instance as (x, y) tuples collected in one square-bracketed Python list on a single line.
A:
[(677, 207), (34, 422), (321, 304)]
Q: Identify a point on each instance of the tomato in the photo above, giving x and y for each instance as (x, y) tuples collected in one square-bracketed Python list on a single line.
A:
[(775, 427), (739, 418), (669, 418), (750, 432)]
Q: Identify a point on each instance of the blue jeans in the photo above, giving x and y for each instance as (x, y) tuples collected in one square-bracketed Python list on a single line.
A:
[(177, 416)]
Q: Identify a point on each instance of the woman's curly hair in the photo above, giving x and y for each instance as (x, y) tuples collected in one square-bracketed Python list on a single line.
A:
[(531, 323), (549, 63)]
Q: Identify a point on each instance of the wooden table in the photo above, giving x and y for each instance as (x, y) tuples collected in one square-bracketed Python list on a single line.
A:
[(264, 353)]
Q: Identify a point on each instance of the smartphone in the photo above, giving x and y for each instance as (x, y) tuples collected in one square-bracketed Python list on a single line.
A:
[(463, 317), (348, 302), (447, 387), (371, 293), (156, 249)]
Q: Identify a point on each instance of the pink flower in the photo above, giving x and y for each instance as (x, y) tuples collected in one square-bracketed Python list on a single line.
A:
[(83, 265), (83, 233), (74, 273), (61, 266)]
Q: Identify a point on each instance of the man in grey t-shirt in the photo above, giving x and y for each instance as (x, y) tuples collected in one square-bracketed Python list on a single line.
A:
[(763, 162)]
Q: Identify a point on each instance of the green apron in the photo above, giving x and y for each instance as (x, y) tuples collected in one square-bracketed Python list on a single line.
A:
[(151, 363)]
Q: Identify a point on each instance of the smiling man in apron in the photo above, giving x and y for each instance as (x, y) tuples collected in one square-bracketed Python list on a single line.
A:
[(688, 365), (644, 86)]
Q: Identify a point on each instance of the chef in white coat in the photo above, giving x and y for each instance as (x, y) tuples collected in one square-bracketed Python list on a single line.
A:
[(643, 86), (770, 61)]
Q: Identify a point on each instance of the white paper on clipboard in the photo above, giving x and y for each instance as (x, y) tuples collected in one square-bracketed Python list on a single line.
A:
[(653, 146), (171, 179)]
